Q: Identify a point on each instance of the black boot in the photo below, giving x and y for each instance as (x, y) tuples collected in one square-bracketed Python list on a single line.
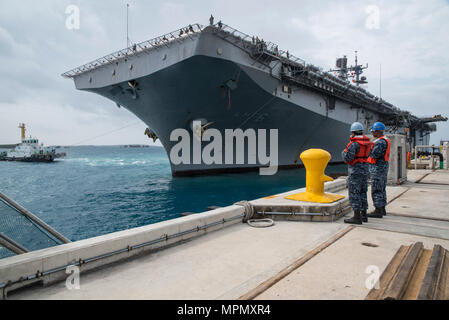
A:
[(356, 219), (364, 216), (376, 213), (384, 212)]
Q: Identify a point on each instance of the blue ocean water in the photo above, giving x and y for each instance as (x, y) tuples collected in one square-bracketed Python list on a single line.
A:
[(99, 190)]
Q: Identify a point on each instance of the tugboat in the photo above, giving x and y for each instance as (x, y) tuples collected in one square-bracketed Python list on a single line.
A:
[(30, 151)]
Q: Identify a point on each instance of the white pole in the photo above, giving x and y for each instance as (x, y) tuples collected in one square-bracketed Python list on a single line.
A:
[(432, 162), (380, 82), (127, 25), (416, 157)]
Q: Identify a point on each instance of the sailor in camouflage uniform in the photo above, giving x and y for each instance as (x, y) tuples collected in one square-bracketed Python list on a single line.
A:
[(378, 160), (356, 156)]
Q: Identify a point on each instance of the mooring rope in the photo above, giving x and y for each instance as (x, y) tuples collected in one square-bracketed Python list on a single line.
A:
[(106, 133), (249, 209), (261, 223), (249, 214)]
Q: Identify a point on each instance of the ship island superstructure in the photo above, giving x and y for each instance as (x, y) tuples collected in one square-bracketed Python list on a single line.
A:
[(226, 79)]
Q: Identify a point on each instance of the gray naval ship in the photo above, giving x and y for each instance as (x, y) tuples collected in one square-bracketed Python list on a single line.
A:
[(226, 79)]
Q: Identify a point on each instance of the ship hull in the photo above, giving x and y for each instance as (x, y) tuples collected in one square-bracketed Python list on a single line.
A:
[(46, 159), (230, 80), (215, 79), (193, 89)]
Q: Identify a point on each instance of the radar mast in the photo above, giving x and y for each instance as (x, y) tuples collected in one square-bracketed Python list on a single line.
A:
[(345, 73)]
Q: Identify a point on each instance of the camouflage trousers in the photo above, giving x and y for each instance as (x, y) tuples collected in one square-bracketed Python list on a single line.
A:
[(379, 176), (358, 188)]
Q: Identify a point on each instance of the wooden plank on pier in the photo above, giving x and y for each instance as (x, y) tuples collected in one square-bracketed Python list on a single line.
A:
[(415, 273)]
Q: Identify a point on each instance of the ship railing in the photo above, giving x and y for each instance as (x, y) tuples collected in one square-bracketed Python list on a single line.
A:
[(153, 44), (21, 231), (260, 46), (348, 92), (240, 36), (290, 57)]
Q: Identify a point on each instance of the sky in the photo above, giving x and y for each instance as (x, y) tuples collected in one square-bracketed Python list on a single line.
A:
[(408, 39)]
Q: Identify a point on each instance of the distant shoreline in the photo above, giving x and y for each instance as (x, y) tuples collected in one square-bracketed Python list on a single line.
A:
[(124, 146), (117, 145)]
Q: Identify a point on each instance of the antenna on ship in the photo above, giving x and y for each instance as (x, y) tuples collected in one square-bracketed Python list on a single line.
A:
[(357, 71), (344, 72), (127, 26)]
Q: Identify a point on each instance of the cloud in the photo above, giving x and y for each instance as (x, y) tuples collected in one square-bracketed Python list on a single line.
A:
[(35, 48), (409, 44), (10, 47), (172, 10)]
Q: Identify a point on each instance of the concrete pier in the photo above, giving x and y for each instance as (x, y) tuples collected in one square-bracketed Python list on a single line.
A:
[(291, 260)]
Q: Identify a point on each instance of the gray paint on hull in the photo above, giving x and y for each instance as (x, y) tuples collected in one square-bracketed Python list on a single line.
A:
[(191, 89)]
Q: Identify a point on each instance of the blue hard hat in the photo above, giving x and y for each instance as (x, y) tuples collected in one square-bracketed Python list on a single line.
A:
[(356, 127), (378, 126)]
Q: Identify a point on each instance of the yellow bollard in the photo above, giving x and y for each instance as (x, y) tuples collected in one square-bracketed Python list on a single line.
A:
[(315, 161)]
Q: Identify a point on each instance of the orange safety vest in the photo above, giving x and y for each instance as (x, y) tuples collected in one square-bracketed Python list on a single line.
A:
[(387, 152), (364, 151)]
